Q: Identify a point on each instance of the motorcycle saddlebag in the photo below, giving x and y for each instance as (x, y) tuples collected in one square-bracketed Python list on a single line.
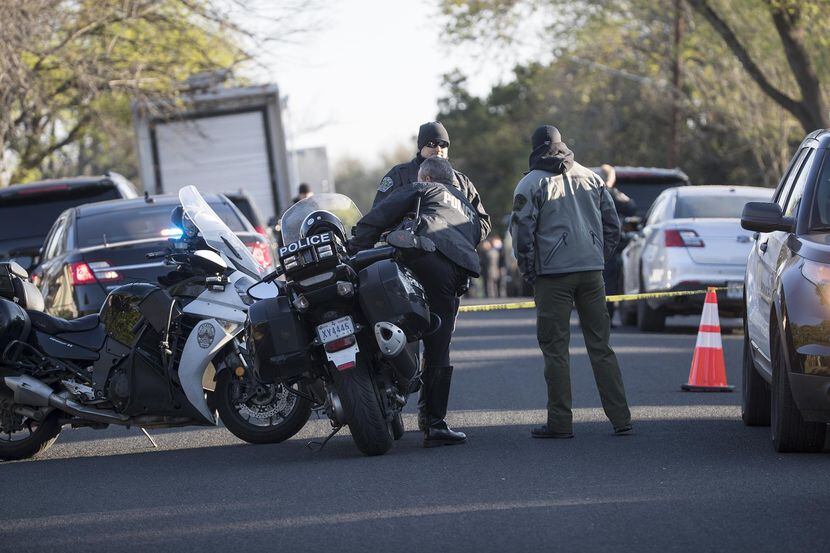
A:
[(277, 340), (389, 292)]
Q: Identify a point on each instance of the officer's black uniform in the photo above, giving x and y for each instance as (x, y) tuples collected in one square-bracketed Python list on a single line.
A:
[(406, 173), (452, 222), (626, 207)]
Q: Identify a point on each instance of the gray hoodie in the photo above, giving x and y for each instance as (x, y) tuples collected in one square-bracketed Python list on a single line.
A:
[(563, 220)]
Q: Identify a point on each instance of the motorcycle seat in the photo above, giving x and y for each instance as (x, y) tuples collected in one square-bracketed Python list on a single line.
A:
[(55, 325)]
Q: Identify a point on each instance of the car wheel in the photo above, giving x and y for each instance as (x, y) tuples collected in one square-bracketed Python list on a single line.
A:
[(755, 394), (648, 319), (790, 432)]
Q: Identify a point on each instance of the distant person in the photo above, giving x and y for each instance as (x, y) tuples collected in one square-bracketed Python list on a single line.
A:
[(625, 207), (433, 140), (303, 192), (564, 227)]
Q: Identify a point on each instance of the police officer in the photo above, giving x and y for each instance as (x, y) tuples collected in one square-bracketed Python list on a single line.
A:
[(625, 207), (433, 141), (452, 222), (565, 227)]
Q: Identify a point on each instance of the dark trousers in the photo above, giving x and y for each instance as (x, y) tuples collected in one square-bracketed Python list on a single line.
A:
[(555, 297), (441, 279)]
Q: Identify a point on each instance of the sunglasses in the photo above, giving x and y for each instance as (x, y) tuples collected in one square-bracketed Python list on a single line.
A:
[(437, 144)]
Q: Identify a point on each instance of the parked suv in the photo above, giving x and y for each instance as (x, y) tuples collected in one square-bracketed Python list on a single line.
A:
[(27, 211), (786, 366)]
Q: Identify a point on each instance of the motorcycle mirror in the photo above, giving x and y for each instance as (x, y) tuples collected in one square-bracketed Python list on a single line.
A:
[(264, 290), (402, 239), (208, 261)]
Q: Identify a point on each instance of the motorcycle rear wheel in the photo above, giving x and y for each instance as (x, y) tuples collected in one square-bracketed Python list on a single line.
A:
[(370, 430), (269, 417), (23, 438)]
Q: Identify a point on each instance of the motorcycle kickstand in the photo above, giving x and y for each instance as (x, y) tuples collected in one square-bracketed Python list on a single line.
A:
[(316, 446), (152, 441)]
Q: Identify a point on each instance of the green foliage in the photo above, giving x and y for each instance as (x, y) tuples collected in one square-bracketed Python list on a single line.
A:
[(610, 88), (70, 70)]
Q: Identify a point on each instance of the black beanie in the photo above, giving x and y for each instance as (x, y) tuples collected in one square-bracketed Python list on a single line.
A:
[(433, 130), (545, 135)]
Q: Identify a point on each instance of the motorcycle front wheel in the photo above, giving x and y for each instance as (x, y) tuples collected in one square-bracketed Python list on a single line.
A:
[(369, 428), (259, 413)]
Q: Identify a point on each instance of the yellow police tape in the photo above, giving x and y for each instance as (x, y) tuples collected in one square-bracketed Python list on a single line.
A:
[(615, 298)]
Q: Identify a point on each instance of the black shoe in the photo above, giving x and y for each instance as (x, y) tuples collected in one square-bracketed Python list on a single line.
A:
[(543, 432), (623, 430), (440, 434)]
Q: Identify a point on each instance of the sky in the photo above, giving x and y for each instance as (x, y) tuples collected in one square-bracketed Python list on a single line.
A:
[(368, 75)]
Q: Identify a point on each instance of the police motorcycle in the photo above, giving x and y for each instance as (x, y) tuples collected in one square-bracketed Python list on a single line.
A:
[(147, 358), (345, 328)]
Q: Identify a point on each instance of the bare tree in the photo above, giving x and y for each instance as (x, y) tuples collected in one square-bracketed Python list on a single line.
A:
[(69, 69), (788, 17)]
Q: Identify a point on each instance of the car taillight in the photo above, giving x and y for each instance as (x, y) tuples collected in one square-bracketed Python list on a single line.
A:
[(262, 253), (682, 238), (83, 273), (260, 229)]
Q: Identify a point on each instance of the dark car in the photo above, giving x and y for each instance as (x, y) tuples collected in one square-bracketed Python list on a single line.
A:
[(786, 368), (27, 211), (644, 184), (94, 248), (245, 204)]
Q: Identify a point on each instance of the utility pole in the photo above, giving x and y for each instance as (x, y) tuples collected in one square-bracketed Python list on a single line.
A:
[(672, 153)]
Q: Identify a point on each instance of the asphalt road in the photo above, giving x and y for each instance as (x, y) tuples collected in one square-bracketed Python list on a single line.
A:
[(691, 478)]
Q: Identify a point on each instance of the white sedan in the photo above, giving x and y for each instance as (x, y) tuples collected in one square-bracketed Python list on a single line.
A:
[(692, 238)]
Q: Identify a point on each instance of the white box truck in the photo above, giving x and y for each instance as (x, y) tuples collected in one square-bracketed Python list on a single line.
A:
[(225, 140)]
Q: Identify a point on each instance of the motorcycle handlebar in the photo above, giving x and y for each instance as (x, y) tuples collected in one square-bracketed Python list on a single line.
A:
[(156, 255), (367, 257)]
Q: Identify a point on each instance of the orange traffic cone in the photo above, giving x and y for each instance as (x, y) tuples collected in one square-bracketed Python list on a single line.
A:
[(708, 371)]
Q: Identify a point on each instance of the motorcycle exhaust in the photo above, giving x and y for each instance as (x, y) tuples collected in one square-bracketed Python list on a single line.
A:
[(392, 342), (33, 392)]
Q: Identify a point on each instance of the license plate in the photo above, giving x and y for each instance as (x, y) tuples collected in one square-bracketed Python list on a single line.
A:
[(334, 330), (735, 290)]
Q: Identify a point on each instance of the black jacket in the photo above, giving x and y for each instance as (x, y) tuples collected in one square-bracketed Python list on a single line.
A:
[(448, 218), (406, 173)]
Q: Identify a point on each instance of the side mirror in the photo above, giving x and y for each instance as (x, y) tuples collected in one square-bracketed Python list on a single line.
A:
[(765, 217), (264, 290), (208, 261)]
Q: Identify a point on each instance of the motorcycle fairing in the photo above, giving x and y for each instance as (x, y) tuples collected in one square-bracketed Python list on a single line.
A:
[(207, 338)]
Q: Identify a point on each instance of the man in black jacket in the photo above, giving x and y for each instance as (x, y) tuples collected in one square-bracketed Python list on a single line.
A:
[(451, 221), (433, 141)]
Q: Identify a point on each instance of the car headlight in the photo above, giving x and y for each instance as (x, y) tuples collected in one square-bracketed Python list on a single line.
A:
[(817, 273)]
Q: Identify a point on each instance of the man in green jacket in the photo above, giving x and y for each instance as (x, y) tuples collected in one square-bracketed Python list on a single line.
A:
[(564, 227)]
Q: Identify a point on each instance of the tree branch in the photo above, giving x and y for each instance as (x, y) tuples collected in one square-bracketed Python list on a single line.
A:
[(737, 48)]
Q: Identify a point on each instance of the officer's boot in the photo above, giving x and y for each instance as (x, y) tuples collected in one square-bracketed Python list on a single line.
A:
[(437, 395), (426, 375)]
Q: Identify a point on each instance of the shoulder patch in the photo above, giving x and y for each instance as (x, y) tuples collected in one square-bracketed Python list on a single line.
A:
[(385, 184), (519, 202)]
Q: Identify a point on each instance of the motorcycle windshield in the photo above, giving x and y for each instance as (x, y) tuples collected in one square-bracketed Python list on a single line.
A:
[(338, 204), (217, 234)]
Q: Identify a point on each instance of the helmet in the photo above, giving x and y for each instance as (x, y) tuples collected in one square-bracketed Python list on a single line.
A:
[(181, 220), (323, 221)]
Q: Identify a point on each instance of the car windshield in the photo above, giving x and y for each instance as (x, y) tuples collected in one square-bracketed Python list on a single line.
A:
[(717, 206), (821, 203), (149, 221), (32, 214), (217, 234), (644, 191), (338, 204)]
